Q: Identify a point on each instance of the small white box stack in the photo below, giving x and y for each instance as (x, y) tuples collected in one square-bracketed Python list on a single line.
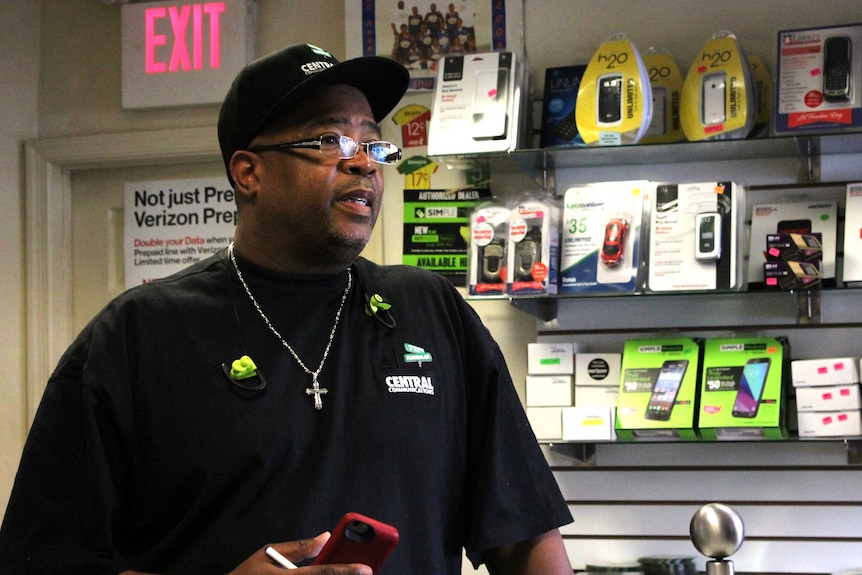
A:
[(597, 388), (828, 396), (550, 367)]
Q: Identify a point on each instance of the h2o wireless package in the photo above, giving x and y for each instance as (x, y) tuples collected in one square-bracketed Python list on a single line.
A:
[(693, 237), (477, 104), (534, 244), (486, 264), (666, 83), (600, 249), (742, 389), (614, 104), (718, 97), (658, 389)]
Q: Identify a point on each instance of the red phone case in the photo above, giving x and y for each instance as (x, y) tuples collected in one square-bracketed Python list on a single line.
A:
[(359, 539)]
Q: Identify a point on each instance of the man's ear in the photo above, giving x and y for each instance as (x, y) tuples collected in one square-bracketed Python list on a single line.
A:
[(244, 167)]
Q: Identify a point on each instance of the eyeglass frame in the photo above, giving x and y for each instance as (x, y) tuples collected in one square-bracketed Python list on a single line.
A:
[(316, 143)]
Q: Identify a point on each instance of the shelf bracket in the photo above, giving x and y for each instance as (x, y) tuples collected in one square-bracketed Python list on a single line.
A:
[(854, 451), (809, 152), (808, 303)]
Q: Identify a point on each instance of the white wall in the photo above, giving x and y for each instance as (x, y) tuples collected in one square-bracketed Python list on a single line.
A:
[(19, 71)]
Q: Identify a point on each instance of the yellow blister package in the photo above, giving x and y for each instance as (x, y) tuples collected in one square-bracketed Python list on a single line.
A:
[(614, 104), (718, 97), (666, 82)]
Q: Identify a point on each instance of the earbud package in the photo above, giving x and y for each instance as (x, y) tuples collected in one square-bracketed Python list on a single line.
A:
[(534, 246), (614, 104), (486, 263), (694, 237), (666, 83), (718, 96), (819, 79), (478, 104), (600, 249)]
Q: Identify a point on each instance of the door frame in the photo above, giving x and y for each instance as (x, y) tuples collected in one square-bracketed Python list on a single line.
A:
[(49, 164)]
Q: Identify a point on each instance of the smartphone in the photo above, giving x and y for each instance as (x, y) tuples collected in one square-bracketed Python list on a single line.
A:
[(359, 539), (665, 389), (658, 123), (707, 227), (713, 95), (750, 387), (836, 68), (610, 99)]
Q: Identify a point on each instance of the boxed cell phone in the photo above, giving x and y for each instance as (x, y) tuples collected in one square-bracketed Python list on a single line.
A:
[(789, 276), (799, 217), (546, 422), (658, 389), (600, 249), (597, 395), (694, 237), (550, 358), (830, 423), (719, 95), (819, 80), (478, 104), (763, 89), (534, 246), (824, 371), (486, 252), (597, 369), (828, 398), (666, 82), (853, 234), (559, 127), (614, 105), (794, 248), (588, 423), (742, 388), (549, 391)]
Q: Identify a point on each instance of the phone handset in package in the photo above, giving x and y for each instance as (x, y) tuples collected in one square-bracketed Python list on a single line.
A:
[(614, 104), (719, 99), (666, 83)]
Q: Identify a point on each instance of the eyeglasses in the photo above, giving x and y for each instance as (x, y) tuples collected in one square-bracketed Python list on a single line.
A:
[(341, 148)]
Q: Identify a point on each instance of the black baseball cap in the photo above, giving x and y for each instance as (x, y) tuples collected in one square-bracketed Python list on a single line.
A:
[(269, 86)]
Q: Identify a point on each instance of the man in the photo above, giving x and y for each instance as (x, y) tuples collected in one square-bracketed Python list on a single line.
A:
[(254, 398)]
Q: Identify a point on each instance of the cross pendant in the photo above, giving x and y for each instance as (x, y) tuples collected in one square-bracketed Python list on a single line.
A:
[(316, 391)]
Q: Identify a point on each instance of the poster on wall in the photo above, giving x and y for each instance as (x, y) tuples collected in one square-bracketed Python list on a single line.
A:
[(418, 33), (170, 225)]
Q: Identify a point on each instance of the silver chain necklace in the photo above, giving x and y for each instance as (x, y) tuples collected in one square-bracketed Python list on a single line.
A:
[(315, 388)]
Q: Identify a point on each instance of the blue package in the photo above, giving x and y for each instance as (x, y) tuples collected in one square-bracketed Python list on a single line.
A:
[(558, 107)]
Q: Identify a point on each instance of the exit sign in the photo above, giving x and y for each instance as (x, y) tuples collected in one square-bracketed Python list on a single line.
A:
[(181, 53)]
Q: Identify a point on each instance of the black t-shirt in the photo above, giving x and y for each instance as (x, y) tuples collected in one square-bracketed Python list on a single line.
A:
[(144, 455)]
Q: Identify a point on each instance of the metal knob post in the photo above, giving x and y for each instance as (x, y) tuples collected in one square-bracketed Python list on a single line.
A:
[(717, 532)]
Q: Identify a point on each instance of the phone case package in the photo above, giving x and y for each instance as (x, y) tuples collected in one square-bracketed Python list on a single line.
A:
[(666, 83), (601, 237), (534, 246), (478, 104), (486, 257), (614, 104), (694, 237), (819, 80), (719, 100), (559, 126), (807, 218), (763, 88), (658, 389), (742, 389)]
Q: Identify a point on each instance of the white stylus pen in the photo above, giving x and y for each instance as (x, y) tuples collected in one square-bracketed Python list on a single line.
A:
[(279, 558)]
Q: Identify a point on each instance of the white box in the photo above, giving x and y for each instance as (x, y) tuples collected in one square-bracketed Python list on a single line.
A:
[(550, 358), (547, 422), (853, 233), (549, 390), (588, 423), (830, 423), (478, 104), (828, 398), (596, 396), (825, 371), (677, 259), (820, 216), (600, 369)]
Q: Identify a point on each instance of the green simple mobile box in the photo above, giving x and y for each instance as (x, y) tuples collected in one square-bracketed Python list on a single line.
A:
[(658, 389), (742, 392)]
